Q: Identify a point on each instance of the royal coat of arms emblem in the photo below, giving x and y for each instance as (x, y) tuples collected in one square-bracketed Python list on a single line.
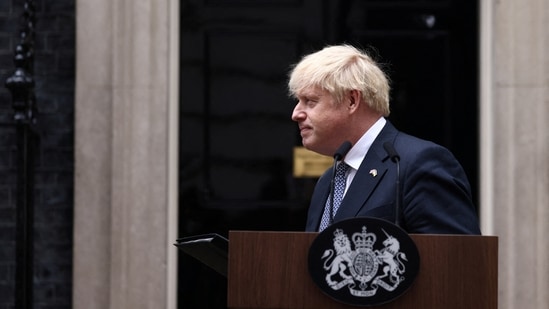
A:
[(364, 262)]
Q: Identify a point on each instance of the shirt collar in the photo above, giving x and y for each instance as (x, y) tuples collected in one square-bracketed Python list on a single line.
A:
[(357, 153)]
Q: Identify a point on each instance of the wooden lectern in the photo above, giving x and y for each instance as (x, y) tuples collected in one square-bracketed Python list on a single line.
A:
[(270, 270)]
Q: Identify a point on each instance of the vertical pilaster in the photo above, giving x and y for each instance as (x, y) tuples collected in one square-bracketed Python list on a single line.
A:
[(123, 209), (516, 147)]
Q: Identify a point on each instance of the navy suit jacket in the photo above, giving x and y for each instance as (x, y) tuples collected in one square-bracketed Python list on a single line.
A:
[(436, 195)]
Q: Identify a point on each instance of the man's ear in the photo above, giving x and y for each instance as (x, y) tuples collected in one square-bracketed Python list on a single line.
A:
[(354, 100)]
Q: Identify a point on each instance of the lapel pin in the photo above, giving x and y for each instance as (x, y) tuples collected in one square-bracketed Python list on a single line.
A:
[(373, 172)]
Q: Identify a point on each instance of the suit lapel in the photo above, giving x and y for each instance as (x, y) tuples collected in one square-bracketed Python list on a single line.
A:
[(318, 199), (370, 173)]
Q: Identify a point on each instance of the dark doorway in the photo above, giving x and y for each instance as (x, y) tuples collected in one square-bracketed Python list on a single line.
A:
[(236, 136)]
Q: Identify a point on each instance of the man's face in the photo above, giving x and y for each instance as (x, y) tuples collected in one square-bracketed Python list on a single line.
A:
[(321, 121)]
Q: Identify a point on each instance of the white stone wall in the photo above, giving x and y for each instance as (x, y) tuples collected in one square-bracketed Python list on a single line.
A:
[(515, 163), (125, 221)]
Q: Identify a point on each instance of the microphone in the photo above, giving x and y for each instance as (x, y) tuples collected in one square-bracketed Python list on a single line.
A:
[(338, 156), (342, 150), (391, 152), (393, 155)]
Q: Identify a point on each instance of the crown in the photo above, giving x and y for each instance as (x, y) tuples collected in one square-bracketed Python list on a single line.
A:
[(364, 239)]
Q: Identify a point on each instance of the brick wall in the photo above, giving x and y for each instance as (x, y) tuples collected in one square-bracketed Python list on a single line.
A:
[(9, 17), (53, 193)]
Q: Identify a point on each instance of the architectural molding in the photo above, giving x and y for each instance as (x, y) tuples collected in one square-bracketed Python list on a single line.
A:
[(126, 155), (515, 146)]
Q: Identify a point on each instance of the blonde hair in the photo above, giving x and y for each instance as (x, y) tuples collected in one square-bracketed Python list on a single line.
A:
[(339, 69)]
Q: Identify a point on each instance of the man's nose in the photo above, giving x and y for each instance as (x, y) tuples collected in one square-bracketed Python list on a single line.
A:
[(298, 114)]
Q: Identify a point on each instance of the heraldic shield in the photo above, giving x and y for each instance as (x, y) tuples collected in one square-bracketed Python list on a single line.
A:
[(363, 261)]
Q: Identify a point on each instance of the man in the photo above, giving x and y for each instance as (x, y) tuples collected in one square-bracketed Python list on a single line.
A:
[(342, 95)]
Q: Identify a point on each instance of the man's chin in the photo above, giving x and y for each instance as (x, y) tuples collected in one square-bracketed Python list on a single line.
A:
[(310, 146), (306, 144)]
